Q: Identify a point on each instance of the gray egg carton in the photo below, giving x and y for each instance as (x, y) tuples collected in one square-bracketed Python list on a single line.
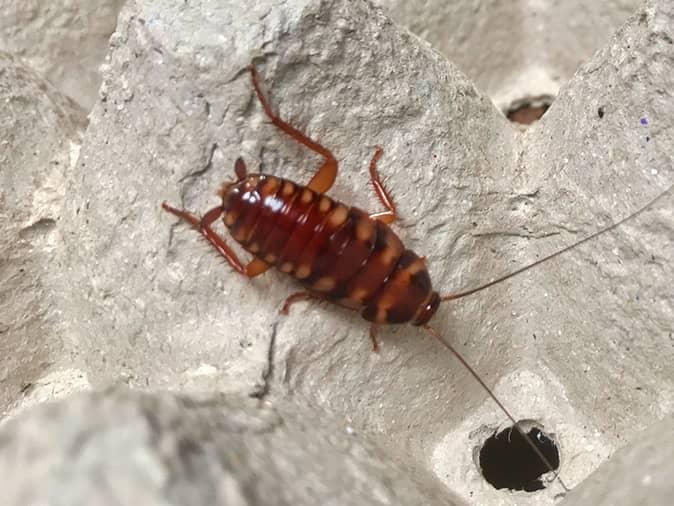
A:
[(242, 405)]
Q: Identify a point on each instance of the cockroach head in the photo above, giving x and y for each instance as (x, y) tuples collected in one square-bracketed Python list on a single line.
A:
[(428, 309), (241, 173)]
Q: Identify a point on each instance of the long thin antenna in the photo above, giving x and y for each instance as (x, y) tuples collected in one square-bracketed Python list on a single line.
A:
[(458, 295), (526, 437), (464, 293)]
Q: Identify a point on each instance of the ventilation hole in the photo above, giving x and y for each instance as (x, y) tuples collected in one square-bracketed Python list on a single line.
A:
[(529, 110), (507, 460)]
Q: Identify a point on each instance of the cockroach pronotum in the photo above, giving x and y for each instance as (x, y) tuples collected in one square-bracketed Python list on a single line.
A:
[(338, 252)]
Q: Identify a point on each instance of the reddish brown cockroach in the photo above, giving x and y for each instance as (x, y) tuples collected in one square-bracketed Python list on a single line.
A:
[(339, 253)]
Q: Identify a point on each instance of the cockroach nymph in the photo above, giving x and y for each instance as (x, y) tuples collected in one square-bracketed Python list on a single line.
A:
[(338, 252)]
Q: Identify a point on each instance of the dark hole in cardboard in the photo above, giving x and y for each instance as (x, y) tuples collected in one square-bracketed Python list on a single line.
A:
[(526, 112), (507, 460)]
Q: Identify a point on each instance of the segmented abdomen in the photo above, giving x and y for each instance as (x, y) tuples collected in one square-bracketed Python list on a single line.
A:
[(335, 250)]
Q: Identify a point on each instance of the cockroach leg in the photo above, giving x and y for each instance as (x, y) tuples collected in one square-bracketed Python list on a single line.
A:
[(203, 225), (187, 216), (296, 297), (374, 330), (325, 176), (388, 216), (256, 267), (384, 216)]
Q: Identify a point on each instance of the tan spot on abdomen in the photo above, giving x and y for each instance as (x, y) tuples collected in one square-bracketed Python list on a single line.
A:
[(364, 229), (254, 248), (338, 216), (239, 235), (358, 294), (286, 267), (325, 284), (324, 205), (288, 188), (307, 196), (387, 300), (381, 315), (270, 186), (230, 218), (392, 250), (270, 258), (388, 255), (416, 266), (303, 272)]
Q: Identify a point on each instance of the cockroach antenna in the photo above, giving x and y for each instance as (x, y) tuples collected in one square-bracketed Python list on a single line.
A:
[(500, 279), (608, 228)]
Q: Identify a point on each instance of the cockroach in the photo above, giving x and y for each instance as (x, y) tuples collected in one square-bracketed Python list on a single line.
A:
[(339, 253)]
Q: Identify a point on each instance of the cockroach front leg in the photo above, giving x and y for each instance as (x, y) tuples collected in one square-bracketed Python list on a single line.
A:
[(325, 176), (388, 216), (203, 225)]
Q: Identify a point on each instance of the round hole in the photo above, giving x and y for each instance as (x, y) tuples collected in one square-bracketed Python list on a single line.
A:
[(527, 111), (508, 461)]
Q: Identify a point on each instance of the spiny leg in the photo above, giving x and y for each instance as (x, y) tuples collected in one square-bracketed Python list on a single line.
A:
[(203, 225), (325, 176), (254, 268), (388, 216), (296, 297)]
